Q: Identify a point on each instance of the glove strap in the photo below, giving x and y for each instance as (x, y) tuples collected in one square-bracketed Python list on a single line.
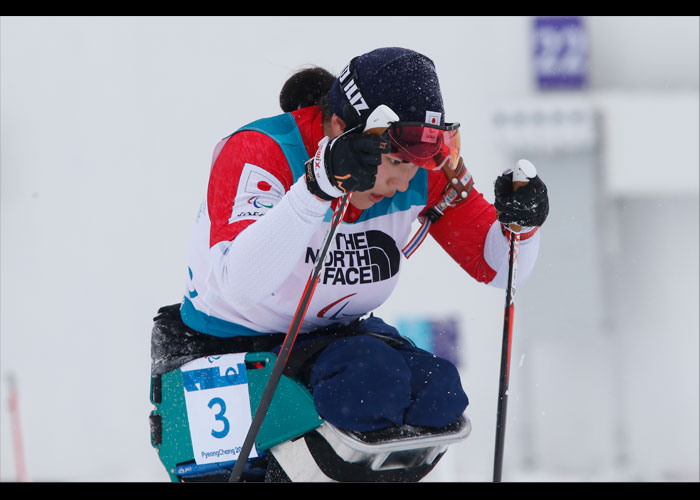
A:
[(317, 179)]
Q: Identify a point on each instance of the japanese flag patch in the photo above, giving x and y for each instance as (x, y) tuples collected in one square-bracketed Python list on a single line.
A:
[(258, 191), (431, 134)]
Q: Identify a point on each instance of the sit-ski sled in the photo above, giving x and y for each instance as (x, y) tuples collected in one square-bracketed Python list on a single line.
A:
[(294, 443)]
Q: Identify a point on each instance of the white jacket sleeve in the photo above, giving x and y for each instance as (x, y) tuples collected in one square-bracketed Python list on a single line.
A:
[(263, 255), (496, 254)]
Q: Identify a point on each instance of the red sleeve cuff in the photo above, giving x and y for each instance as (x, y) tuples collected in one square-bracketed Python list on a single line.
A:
[(523, 235)]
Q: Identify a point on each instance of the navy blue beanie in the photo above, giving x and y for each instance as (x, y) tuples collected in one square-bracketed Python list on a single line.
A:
[(402, 79)]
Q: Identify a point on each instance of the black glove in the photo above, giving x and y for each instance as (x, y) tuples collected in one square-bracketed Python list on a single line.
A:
[(347, 163), (528, 206)]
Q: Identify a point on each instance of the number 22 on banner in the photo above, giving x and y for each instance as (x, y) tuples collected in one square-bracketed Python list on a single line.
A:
[(218, 406)]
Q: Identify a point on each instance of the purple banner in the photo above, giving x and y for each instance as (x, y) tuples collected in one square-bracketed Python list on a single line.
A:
[(560, 52), (439, 336)]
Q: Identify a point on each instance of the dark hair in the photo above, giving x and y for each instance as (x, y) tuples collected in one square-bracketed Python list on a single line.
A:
[(307, 87)]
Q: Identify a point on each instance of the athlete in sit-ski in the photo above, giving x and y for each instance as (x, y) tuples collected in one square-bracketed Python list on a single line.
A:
[(272, 189)]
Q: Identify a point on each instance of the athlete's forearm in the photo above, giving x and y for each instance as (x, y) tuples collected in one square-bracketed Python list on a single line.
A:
[(262, 256)]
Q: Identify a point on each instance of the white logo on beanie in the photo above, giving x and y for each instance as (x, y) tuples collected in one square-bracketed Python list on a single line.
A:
[(352, 92)]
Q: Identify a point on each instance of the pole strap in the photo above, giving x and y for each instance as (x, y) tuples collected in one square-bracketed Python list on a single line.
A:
[(459, 185)]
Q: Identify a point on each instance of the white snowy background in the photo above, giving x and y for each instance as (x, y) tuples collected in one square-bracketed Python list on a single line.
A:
[(108, 125)]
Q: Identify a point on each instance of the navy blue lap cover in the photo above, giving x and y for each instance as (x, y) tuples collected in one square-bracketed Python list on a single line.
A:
[(362, 383)]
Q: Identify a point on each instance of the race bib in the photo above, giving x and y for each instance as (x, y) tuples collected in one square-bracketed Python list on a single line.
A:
[(218, 406)]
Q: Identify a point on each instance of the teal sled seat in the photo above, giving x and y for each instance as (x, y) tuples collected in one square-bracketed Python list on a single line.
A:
[(294, 443), (290, 415)]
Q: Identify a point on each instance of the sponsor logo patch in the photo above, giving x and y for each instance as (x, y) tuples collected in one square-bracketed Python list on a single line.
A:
[(358, 258)]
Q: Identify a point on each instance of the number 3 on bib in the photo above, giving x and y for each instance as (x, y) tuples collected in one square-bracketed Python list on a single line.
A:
[(218, 406), (220, 416)]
